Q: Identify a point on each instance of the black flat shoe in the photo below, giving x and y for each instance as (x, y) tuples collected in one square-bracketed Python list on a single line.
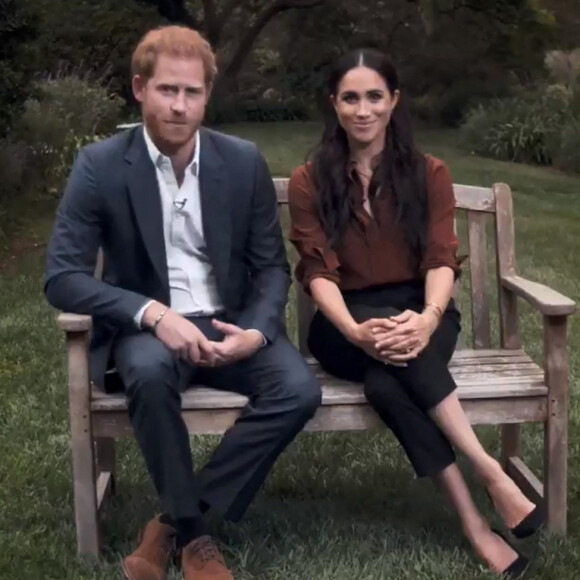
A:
[(519, 566), (529, 525)]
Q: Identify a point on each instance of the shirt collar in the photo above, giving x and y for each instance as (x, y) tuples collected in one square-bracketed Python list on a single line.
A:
[(351, 169), (159, 160), (352, 165)]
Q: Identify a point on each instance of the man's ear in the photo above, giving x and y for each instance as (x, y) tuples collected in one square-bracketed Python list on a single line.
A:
[(208, 91), (138, 84)]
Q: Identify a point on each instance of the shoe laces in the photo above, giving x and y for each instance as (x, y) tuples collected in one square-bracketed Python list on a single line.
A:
[(206, 550)]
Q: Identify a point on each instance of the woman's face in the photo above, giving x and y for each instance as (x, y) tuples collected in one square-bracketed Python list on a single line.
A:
[(364, 105)]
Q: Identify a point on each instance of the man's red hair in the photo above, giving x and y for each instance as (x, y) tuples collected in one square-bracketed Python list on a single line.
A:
[(176, 41)]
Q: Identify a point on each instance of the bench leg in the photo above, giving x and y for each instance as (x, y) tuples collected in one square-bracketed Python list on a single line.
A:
[(510, 443), (556, 426), (106, 458), (555, 475), (85, 492), (83, 456)]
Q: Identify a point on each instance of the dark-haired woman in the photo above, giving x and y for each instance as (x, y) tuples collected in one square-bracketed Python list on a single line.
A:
[(372, 219)]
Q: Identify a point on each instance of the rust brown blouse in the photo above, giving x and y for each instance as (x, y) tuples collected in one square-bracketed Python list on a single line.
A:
[(373, 251)]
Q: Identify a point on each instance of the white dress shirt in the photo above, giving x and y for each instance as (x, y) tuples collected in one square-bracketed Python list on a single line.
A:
[(192, 284)]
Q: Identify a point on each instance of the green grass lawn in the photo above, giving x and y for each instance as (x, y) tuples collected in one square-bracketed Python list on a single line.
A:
[(337, 506)]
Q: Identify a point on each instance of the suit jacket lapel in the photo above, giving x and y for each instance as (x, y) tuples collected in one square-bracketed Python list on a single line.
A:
[(146, 202), (215, 209)]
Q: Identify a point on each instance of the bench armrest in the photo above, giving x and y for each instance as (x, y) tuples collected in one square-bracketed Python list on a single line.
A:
[(77, 328), (547, 301), (74, 322)]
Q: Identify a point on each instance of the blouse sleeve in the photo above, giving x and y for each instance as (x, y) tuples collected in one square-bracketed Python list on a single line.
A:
[(316, 258), (442, 242)]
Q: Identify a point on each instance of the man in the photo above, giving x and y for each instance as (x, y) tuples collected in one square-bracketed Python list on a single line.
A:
[(194, 286)]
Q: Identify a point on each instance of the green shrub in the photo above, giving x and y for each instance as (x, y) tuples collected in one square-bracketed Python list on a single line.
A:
[(454, 101), (567, 147), (263, 110), (12, 166), (450, 97), (67, 113), (522, 128), (12, 171), (564, 67), (446, 107), (258, 110), (18, 29), (71, 103)]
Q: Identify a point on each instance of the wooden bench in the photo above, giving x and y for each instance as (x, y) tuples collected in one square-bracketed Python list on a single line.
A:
[(497, 386)]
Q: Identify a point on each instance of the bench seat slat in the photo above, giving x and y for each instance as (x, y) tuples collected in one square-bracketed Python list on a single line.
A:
[(472, 357), (468, 353), (487, 361), (336, 417), (335, 394), (467, 374), (522, 379), (523, 367)]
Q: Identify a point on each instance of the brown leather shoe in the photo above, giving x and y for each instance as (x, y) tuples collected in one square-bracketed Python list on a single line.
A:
[(149, 561), (201, 559)]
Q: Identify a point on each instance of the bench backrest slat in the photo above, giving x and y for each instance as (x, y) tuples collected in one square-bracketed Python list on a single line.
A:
[(477, 239), (506, 265)]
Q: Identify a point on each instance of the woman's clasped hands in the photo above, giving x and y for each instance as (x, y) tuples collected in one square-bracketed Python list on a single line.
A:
[(398, 339)]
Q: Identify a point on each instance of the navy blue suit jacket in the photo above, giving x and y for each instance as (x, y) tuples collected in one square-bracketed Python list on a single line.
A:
[(112, 201)]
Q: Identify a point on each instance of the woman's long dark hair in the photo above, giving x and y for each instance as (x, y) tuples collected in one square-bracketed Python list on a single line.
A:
[(400, 170)]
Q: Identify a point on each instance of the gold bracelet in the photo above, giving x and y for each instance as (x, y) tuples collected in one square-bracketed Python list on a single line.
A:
[(436, 307), (159, 317)]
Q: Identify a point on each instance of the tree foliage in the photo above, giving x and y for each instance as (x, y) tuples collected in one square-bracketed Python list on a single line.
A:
[(449, 52), (17, 28)]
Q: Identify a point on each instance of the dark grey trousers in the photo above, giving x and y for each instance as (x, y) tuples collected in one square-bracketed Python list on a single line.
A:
[(283, 394)]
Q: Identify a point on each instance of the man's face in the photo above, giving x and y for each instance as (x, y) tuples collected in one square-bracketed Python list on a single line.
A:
[(173, 101)]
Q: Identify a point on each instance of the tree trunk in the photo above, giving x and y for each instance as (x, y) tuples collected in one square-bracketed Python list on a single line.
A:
[(214, 22), (176, 12), (245, 46)]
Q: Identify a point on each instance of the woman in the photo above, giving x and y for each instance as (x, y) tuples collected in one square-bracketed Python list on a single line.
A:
[(372, 219)]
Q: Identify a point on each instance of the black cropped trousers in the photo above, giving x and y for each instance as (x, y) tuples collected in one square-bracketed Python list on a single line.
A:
[(402, 396)]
